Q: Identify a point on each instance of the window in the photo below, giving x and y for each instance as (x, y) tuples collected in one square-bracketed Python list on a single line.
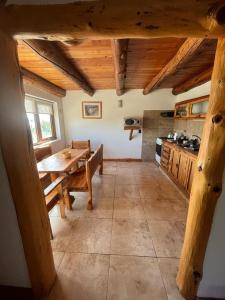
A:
[(40, 115)]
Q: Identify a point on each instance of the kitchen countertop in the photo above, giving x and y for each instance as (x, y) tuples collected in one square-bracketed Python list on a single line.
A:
[(194, 153)]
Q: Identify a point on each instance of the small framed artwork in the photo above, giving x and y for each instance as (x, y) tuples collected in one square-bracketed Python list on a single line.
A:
[(92, 110)]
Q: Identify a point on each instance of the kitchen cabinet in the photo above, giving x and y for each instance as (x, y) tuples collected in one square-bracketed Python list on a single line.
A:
[(181, 111), (183, 169), (192, 109), (192, 167), (179, 164), (199, 109), (175, 162)]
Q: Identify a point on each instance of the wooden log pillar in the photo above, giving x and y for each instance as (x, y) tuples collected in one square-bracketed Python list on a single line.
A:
[(17, 150), (207, 183)]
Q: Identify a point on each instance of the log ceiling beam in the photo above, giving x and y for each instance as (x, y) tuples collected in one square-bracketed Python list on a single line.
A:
[(119, 50), (183, 55), (34, 79), (193, 81), (51, 52), (113, 19)]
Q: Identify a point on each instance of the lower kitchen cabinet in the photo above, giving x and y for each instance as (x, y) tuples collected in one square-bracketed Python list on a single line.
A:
[(179, 164), (175, 162), (192, 167), (183, 169)]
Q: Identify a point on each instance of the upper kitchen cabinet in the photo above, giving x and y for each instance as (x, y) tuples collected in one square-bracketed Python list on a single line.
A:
[(192, 109)]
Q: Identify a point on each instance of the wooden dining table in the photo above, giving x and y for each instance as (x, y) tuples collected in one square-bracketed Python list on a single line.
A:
[(57, 163)]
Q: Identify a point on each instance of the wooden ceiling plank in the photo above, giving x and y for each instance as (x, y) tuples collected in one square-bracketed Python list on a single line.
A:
[(51, 52), (193, 81), (184, 54), (119, 50), (33, 79), (112, 19)]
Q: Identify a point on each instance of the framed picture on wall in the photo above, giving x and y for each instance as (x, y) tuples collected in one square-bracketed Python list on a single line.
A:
[(92, 109)]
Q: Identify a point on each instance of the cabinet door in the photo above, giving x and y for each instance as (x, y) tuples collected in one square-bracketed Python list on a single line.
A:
[(181, 111), (199, 109), (175, 163), (183, 169), (192, 167)]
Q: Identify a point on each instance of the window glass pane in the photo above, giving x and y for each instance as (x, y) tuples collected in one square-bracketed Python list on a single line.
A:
[(29, 105), (44, 108), (31, 120), (46, 127)]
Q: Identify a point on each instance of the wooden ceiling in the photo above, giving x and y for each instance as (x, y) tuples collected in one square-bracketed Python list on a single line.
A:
[(94, 59)]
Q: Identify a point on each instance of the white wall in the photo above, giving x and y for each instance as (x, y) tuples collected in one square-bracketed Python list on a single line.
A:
[(13, 267), (58, 111), (109, 130), (213, 282), (199, 91)]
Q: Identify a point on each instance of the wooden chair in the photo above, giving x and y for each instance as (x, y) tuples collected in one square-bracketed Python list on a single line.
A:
[(40, 154), (82, 145), (81, 180), (54, 196)]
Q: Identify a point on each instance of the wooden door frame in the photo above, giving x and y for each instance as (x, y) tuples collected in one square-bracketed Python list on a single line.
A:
[(18, 155), (138, 19)]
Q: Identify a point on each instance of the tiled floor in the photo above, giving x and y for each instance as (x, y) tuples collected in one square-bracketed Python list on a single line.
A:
[(128, 247)]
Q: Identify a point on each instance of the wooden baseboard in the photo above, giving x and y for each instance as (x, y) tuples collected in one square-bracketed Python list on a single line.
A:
[(17, 293), (123, 159)]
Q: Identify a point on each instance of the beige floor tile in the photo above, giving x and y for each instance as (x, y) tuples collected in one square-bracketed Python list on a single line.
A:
[(135, 278), (125, 179), (62, 231), (101, 179), (102, 208), (162, 208), (169, 269), (126, 191), (103, 190), (131, 237), (110, 163), (147, 191), (107, 170), (91, 236), (128, 208), (58, 256), (81, 277), (124, 171), (167, 239), (146, 180)]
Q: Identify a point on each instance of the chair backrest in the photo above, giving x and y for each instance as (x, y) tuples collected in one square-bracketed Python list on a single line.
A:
[(94, 161), (82, 145), (43, 152)]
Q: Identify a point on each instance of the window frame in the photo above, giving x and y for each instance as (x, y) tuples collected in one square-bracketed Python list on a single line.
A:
[(36, 101)]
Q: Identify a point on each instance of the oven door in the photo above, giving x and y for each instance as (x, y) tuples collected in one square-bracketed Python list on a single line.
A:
[(158, 150)]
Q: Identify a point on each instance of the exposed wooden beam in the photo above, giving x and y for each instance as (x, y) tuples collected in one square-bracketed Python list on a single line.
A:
[(51, 52), (113, 19), (193, 81), (183, 55), (18, 155), (119, 50), (207, 183), (34, 79)]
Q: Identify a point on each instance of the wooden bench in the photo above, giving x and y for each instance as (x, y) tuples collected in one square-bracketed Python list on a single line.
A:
[(54, 196), (40, 154), (81, 180)]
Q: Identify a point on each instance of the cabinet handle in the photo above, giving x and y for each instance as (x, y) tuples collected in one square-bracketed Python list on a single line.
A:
[(177, 165)]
